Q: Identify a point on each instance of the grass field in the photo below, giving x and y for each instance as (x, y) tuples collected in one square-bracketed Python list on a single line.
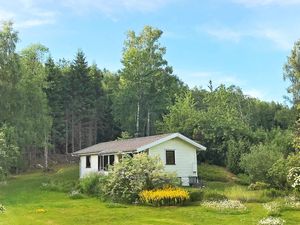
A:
[(22, 196)]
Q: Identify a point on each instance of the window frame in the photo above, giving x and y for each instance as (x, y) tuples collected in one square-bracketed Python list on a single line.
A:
[(174, 157)]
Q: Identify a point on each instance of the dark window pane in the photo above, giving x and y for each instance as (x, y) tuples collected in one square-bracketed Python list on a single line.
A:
[(88, 161), (105, 162), (170, 157), (111, 160)]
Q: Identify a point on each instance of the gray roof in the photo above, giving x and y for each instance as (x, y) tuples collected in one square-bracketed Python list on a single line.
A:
[(123, 145)]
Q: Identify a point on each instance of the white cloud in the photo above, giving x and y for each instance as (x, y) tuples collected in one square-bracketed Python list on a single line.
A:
[(282, 39), (253, 3), (27, 13)]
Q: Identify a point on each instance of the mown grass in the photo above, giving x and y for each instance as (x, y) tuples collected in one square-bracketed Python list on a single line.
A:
[(23, 195)]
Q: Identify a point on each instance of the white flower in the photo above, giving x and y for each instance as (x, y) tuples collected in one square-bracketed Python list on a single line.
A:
[(224, 204), (271, 221)]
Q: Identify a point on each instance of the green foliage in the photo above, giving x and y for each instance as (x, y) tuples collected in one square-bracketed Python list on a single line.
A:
[(274, 193), (182, 117), (243, 179), (279, 170), (129, 177), (255, 163), (213, 195), (196, 195), (146, 84), (209, 172), (93, 184), (244, 195), (9, 152)]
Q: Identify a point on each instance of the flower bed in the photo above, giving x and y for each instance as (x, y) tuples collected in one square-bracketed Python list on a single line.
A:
[(225, 205), (165, 196), (271, 221)]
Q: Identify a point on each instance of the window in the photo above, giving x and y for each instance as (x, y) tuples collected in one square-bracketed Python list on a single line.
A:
[(104, 161), (170, 157), (88, 161)]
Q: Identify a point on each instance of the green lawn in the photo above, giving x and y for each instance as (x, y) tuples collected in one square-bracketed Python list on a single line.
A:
[(23, 195)]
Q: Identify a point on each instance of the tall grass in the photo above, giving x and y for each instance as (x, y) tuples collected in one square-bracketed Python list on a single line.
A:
[(244, 195)]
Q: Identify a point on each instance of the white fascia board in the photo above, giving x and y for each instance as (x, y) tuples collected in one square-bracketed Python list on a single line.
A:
[(171, 136)]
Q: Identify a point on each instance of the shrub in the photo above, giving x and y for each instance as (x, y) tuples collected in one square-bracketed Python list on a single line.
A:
[(243, 179), (129, 177), (76, 195), (2, 208), (271, 221), (93, 184), (292, 202), (294, 178), (273, 208), (258, 162), (166, 196), (213, 195), (274, 193), (225, 205), (279, 171), (196, 195), (258, 186)]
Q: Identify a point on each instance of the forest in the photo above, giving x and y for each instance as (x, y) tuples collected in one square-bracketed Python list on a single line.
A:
[(58, 106)]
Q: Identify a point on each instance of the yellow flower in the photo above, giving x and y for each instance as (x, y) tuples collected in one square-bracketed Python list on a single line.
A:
[(165, 196)]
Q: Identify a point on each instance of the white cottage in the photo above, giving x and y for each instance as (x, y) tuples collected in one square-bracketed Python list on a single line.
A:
[(177, 152)]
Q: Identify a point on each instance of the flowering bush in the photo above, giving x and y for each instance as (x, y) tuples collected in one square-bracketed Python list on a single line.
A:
[(129, 177), (2, 208), (294, 177), (273, 208), (225, 205), (271, 221), (292, 202), (165, 196)]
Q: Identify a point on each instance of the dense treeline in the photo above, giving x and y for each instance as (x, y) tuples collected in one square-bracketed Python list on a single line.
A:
[(63, 106)]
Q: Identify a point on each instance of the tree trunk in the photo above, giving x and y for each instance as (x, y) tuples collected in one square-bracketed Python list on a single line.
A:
[(80, 135), (46, 153), (138, 120), (90, 135), (72, 127), (67, 135), (148, 123)]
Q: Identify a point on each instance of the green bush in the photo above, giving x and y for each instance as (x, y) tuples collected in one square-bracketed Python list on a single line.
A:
[(279, 170), (213, 195), (196, 195), (129, 177), (258, 162), (274, 193), (258, 186), (93, 184), (243, 179)]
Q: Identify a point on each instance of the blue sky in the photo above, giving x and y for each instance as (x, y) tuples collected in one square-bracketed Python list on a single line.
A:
[(241, 42)]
